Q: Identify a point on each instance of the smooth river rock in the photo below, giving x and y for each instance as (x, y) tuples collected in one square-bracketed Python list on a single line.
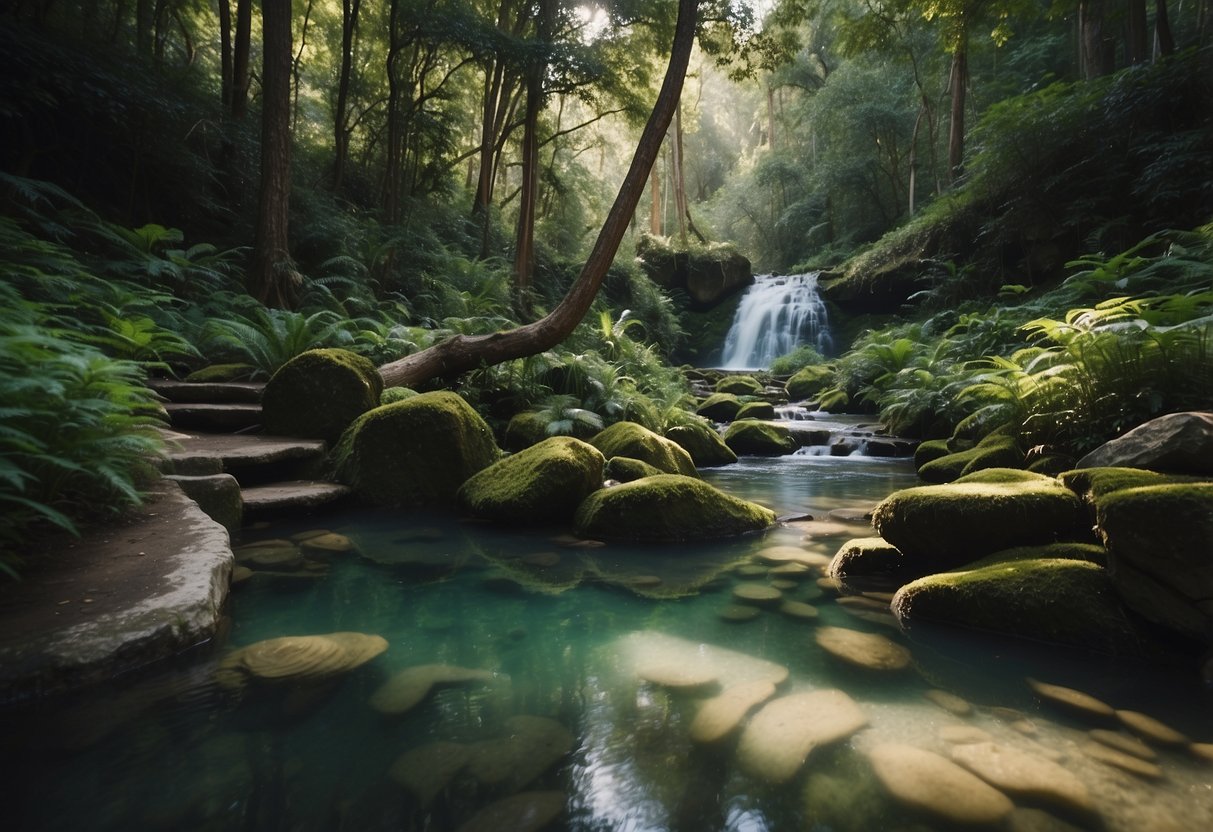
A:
[(950, 702), (930, 783), (1125, 762), (528, 747), (1150, 729), (865, 650), (760, 595), (427, 770), (719, 716), (1123, 742), (1026, 777), (409, 688), (1074, 701), (778, 740), (526, 812)]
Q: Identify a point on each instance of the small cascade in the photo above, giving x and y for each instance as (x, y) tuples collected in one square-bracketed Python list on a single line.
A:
[(776, 315)]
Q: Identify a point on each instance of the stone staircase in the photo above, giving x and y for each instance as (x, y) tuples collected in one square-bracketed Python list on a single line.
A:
[(220, 458)]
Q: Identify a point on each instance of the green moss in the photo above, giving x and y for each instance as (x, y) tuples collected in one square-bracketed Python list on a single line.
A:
[(704, 444), (1066, 602), (542, 484), (415, 452), (1166, 530), (1051, 464), (1067, 550), (525, 429), (217, 373), (668, 508), (929, 451), (1003, 476), (626, 469), (834, 401), (944, 526), (391, 395), (719, 407), (1093, 483), (318, 393), (756, 410), (867, 557), (809, 382), (638, 442), (759, 439), (739, 386), (1003, 452)]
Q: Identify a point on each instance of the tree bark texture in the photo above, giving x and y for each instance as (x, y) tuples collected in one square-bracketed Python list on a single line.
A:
[(1164, 41), (240, 58), (1137, 33), (225, 53), (958, 82), (462, 353), (272, 278), (341, 132)]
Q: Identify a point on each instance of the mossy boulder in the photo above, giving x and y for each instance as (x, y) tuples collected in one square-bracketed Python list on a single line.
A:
[(756, 410), (754, 438), (719, 407), (871, 557), (524, 430), (1065, 550), (1160, 542), (638, 442), (319, 393), (740, 386), (415, 452), (929, 451), (704, 444), (1065, 602), (1051, 464), (809, 382), (626, 469), (542, 484), (992, 452), (1004, 476), (1094, 483), (944, 526), (668, 508), (391, 395)]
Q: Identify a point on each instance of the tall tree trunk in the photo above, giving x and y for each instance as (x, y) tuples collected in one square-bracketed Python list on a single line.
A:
[(958, 83), (461, 353), (225, 53), (240, 58), (1164, 42), (655, 224), (144, 11), (1096, 51), (680, 182), (272, 278), (770, 117), (1137, 33), (341, 132)]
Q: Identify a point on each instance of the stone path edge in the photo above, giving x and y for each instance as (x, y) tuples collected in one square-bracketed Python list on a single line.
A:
[(161, 579)]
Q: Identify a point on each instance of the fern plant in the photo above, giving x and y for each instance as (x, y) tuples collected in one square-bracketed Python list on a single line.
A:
[(268, 338)]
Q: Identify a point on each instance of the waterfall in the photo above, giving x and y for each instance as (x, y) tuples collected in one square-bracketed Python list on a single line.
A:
[(776, 314)]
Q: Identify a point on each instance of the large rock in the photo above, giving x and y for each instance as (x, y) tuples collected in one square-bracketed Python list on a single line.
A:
[(991, 452), (868, 651), (719, 407), (870, 557), (542, 484), (714, 275), (704, 444), (668, 508), (638, 442), (754, 438), (415, 452), (317, 394), (779, 738), (1178, 442), (809, 381), (739, 386), (944, 526), (1164, 535), (1066, 602), (719, 716)]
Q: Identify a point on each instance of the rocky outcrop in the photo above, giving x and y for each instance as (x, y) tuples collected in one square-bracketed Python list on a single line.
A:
[(1180, 443), (753, 438), (638, 442), (708, 276)]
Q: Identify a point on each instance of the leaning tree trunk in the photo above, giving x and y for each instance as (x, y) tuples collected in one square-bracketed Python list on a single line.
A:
[(461, 353), (956, 127)]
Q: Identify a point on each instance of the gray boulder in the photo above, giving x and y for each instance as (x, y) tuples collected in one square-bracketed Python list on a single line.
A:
[(1181, 443)]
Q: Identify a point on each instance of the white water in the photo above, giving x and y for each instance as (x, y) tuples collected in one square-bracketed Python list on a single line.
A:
[(776, 315)]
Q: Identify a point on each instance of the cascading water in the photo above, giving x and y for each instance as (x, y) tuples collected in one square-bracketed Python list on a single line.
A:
[(776, 315)]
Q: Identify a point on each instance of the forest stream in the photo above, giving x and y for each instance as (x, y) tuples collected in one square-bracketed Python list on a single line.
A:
[(568, 674)]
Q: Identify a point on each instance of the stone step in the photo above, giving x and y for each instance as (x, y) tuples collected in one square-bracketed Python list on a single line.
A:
[(285, 498), (190, 415), (250, 458), (191, 392)]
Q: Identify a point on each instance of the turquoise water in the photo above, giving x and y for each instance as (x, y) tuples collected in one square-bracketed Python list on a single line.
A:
[(560, 629)]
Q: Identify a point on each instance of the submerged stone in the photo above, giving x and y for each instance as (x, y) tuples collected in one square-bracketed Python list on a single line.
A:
[(1074, 701), (1151, 729), (1026, 777), (1123, 743), (529, 746), (291, 659), (779, 739), (427, 770), (868, 651), (950, 702), (525, 812), (1136, 766), (739, 613), (410, 687), (760, 595), (668, 508), (722, 714), (927, 782)]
